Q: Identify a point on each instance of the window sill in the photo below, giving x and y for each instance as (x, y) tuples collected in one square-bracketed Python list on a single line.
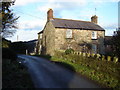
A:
[(94, 39), (69, 38)]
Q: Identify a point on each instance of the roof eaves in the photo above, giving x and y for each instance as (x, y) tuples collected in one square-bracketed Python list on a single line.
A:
[(80, 28), (40, 32)]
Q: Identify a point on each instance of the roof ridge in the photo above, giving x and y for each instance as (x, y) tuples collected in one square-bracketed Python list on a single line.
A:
[(79, 24), (72, 20)]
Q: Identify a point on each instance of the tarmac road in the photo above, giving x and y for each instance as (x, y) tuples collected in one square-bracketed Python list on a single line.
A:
[(46, 74)]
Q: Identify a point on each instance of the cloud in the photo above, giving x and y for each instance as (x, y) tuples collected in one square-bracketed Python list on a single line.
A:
[(109, 32), (83, 1), (74, 2), (63, 10), (29, 25), (104, 0), (23, 2), (45, 7), (109, 25), (24, 35), (60, 8)]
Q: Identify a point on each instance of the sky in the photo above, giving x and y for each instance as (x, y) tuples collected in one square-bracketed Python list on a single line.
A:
[(33, 15)]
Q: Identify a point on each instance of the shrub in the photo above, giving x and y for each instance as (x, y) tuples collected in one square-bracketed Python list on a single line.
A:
[(59, 54), (68, 51), (15, 75), (44, 56), (19, 47), (8, 53), (5, 43)]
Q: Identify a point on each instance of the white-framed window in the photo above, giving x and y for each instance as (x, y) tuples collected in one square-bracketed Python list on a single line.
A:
[(69, 33), (94, 35), (40, 36)]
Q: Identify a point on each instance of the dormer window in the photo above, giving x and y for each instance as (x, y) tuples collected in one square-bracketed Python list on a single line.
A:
[(94, 35), (69, 33)]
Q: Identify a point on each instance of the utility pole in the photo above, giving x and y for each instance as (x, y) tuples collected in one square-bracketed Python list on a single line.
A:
[(95, 11), (26, 52), (17, 37)]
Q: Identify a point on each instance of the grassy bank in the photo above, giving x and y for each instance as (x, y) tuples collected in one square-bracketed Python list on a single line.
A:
[(104, 72), (14, 75)]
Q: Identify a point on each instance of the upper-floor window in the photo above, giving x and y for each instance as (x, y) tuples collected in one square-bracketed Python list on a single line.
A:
[(94, 35), (40, 36), (69, 33)]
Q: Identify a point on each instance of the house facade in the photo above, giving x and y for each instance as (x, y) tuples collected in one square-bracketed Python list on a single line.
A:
[(62, 34), (39, 43)]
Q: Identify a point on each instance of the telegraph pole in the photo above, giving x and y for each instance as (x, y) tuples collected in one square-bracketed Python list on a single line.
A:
[(26, 51), (95, 11), (17, 37)]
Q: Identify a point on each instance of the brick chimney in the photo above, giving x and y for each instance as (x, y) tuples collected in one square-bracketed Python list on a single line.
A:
[(94, 19), (50, 15)]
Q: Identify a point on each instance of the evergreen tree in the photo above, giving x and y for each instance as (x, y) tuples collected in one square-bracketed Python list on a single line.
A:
[(8, 20), (116, 43)]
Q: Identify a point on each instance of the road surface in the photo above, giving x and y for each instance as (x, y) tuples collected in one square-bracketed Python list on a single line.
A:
[(46, 74)]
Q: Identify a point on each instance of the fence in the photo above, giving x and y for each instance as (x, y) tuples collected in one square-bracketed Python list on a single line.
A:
[(98, 56)]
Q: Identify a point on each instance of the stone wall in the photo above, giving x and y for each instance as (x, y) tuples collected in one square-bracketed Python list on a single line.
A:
[(55, 39), (48, 39), (79, 37), (98, 56), (39, 44)]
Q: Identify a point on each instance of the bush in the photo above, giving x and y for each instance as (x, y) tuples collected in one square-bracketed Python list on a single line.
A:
[(59, 54), (68, 51), (19, 47), (5, 43), (8, 53)]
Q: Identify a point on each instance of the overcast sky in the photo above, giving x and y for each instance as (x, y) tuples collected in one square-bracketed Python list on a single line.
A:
[(33, 14)]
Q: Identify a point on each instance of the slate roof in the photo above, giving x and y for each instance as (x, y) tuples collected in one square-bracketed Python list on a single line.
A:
[(40, 32), (75, 24)]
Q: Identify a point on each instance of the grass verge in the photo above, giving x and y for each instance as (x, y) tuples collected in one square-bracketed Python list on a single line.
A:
[(108, 78), (14, 75), (103, 72)]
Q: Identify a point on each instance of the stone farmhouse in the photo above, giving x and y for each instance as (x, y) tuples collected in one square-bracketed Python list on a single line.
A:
[(62, 34)]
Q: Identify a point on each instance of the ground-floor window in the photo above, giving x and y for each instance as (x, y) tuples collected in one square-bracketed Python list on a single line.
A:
[(94, 48)]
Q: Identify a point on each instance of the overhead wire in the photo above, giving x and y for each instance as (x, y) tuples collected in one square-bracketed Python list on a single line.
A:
[(28, 14)]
